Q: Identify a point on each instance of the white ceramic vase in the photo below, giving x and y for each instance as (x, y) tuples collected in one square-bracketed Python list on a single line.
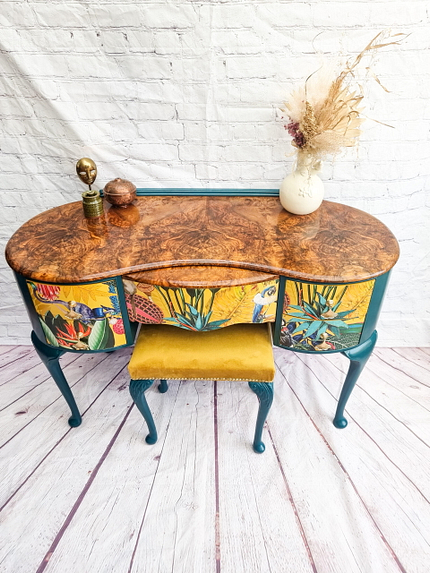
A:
[(302, 191)]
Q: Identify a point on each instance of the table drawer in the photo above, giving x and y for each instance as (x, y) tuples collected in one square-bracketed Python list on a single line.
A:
[(323, 317), (201, 309), (80, 316)]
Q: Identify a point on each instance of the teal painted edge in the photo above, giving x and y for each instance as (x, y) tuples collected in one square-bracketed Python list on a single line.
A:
[(70, 283), (185, 192), (279, 311), (316, 352), (375, 306), (331, 282), (129, 327), (34, 317), (370, 321), (111, 349)]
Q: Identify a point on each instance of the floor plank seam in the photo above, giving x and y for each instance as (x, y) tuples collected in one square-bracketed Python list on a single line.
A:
[(216, 477), (8, 364), (373, 399), (61, 398), (320, 500), (25, 394), (393, 416), (37, 365), (34, 470), (350, 480), (397, 389), (402, 371), (68, 430), (4, 349), (353, 419), (403, 354), (293, 504), (133, 555), (390, 460), (103, 389), (82, 495)]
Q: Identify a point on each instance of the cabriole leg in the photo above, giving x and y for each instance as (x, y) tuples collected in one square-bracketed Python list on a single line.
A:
[(358, 357), (50, 357), (264, 391), (137, 390), (163, 386)]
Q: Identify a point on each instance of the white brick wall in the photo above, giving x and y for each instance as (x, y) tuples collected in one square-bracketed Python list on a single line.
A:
[(170, 93)]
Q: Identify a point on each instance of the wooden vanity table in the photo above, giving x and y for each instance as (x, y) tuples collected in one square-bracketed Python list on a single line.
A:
[(201, 260)]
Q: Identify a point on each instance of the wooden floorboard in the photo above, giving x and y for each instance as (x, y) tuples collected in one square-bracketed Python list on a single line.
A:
[(397, 513), (16, 361), (98, 499)]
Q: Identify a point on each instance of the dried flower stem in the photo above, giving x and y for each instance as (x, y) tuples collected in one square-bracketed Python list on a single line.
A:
[(324, 125)]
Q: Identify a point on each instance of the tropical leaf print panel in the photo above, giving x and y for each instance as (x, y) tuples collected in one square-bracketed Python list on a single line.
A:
[(320, 317), (201, 308), (79, 317)]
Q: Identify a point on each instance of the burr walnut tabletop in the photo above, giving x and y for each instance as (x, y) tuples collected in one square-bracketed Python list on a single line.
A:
[(254, 235)]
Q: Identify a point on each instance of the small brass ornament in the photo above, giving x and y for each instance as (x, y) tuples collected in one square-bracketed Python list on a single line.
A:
[(91, 200), (92, 204), (120, 192), (86, 170)]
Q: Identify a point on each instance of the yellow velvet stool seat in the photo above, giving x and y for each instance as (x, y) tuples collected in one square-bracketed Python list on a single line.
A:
[(238, 352), (241, 352)]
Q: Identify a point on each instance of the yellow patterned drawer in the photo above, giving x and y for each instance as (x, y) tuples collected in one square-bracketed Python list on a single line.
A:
[(81, 316), (324, 317), (201, 308)]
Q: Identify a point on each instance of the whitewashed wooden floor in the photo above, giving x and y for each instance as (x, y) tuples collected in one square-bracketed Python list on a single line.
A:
[(98, 499)]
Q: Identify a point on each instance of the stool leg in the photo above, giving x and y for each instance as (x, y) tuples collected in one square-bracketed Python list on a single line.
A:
[(137, 389), (163, 386), (264, 391)]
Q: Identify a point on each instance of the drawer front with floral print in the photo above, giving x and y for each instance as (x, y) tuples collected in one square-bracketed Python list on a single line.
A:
[(324, 317), (80, 316), (201, 309)]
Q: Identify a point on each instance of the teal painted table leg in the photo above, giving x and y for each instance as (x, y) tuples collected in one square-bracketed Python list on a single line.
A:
[(358, 357), (50, 357), (137, 390), (163, 386), (264, 391)]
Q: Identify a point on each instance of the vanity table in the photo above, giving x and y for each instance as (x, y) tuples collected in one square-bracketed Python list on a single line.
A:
[(202, 260)]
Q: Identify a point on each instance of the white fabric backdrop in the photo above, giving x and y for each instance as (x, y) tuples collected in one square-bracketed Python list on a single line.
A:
[(178, 94)]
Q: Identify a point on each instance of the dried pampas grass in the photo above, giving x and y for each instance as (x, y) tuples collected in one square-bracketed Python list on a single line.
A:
[(325, 115)]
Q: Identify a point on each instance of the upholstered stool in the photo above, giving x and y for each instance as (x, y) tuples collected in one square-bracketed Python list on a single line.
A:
[(241, 352)]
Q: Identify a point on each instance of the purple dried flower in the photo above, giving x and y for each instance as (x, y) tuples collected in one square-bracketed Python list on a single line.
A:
[(294, 130)]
